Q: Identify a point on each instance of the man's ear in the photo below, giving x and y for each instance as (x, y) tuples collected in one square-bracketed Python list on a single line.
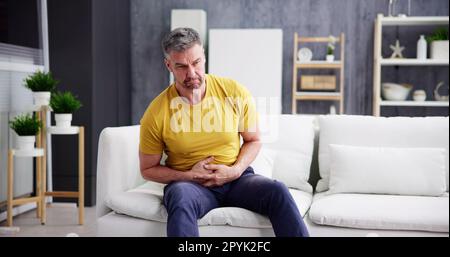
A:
[(167, 63)]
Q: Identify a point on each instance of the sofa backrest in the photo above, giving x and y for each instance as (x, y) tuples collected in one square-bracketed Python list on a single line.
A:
[(414, 132)]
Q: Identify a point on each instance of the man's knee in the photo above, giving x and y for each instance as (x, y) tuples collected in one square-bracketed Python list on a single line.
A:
[(179, 193), (279, 189)]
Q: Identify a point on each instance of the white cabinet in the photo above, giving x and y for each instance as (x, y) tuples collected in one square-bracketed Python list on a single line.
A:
[(380, 62)]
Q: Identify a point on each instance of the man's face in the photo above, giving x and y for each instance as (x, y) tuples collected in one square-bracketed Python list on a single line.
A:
[(188, 67)]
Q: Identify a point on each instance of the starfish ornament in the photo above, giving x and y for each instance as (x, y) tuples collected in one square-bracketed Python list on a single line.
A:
[(397, 50)]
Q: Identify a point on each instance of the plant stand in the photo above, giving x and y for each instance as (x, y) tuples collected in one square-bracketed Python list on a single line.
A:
[(11, 202), (40, 153), (41, 170), (76, 194)]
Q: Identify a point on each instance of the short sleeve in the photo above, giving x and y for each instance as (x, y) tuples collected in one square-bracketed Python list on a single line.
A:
[(150, 141), (248, 117)]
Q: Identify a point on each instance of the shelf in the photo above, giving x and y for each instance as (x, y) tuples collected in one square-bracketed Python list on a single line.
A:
[(380, 62), (300, 66), (35, 152), (319, 65), (326, 96), (53, 130), (316, 40), (414, 21), (33, 108), (415, 103), (414, 62)]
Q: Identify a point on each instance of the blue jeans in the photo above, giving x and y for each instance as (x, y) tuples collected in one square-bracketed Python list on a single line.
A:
[(186, 202)]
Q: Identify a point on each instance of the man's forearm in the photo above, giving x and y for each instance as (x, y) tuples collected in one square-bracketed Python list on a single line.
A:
[(247, 155), (165, 175)]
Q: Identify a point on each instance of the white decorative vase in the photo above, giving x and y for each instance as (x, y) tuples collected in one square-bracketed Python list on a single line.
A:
[(26, 142), (330, 58), (439, 49), (63, 120), (422, 48), (41, 98)]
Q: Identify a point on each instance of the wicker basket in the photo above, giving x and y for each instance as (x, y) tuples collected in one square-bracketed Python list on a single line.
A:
[(318, 82)]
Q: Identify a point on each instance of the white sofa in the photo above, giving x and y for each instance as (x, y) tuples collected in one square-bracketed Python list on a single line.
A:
[(127, 205)]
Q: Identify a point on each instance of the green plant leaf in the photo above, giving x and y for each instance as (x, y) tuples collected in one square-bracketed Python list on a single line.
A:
[(330, 50), (64, 102), (439, 34), (41, 82), (25, 125)]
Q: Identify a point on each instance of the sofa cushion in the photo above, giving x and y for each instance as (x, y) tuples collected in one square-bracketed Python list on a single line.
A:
[(390, 212), (292, 137), (429, 132), (145, 202), (263, 163), (386, 170)]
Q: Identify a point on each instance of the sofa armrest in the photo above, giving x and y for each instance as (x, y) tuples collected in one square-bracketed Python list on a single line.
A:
[(117, 163)]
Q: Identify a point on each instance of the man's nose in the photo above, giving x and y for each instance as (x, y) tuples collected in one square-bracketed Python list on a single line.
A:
[(191, 72)]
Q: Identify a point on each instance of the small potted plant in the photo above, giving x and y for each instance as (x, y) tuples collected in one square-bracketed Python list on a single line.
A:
[(330, 49), (64, 104), (42, 84), (26, 128), (438, 42)]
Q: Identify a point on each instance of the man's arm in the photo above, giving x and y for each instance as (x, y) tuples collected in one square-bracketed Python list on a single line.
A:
[(152, 170), (249, 150)]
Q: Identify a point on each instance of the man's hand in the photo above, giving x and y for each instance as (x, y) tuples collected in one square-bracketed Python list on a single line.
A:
[(222, 175), (199, 173)]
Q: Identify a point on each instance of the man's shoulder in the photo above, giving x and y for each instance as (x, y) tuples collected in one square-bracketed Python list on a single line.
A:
[(157, 106), (223, 81), (230, 85)]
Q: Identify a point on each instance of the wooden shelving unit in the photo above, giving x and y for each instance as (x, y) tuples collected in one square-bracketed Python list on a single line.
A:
[(314, 64), (380, 62)]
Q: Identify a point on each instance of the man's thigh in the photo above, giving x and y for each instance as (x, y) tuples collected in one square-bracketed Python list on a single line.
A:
[(190, 195), (249, 191)]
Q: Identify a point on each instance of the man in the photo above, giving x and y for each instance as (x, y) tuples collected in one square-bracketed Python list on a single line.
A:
[(197, 121)]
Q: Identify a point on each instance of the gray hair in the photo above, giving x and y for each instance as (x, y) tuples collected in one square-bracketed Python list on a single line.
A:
[(179, 40)]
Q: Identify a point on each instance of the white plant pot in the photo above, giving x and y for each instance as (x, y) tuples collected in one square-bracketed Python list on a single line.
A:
[(439, 49), (26, 142), (330, 58), (41, 98), (63, 120)]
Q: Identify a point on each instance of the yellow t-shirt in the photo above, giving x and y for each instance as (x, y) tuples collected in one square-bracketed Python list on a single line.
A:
[(190, 133)]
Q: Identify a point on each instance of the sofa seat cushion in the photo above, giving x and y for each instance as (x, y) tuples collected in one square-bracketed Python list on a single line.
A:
[(388, 212), (145, 202)]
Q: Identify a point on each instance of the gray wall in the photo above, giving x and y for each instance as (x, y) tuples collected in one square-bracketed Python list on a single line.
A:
[(89, 44), (150, 20)]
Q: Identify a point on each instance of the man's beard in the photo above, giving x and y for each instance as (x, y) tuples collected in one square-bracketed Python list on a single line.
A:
[(193, 83)]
